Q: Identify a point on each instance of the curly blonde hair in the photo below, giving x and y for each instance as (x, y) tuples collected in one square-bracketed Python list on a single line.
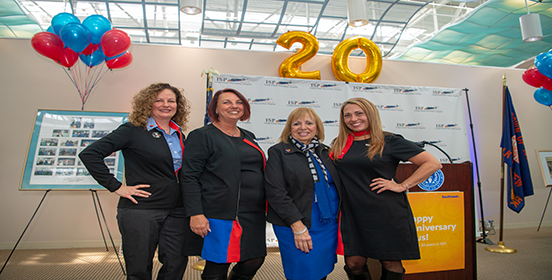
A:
[(142, 105), (377, 135)]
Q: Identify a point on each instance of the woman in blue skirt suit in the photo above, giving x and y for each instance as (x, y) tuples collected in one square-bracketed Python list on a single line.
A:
[(301, 186)]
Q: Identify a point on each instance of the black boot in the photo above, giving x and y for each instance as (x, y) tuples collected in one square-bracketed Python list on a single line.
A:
[(363, 276), (390, 275), (234, 276), (214, 277)]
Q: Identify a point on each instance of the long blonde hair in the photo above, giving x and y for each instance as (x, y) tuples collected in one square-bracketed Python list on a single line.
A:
[(142, 105), (377, 134), (295, 115)]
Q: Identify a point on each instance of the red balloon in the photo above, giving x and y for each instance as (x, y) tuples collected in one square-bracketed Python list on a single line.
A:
[(90, 49), (68, 57), (47, 44), (115, 42), (533, 77), (547, 83), (119, 62)]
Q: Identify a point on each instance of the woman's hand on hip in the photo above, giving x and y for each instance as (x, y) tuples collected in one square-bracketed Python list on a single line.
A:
[(199, 225), (131, 191), (380, 185)]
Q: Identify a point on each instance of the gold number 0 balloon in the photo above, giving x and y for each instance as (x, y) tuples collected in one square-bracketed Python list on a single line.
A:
[(340, 60), (290, 67)]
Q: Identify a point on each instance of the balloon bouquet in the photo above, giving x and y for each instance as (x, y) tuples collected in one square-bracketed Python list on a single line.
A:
[(541, 77), (93, 41)]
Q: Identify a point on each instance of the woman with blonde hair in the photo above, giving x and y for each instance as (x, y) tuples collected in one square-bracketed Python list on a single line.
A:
[(150, 213), (301, 186), (376, 219)]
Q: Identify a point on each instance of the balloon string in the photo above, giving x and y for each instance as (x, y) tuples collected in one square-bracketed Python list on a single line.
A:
[(93, 81), (78, 79), (98, 76), (86, 84), (72, 77)]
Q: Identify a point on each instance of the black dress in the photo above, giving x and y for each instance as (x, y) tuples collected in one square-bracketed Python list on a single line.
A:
[(379, 226), (252, 203), (243, 238)]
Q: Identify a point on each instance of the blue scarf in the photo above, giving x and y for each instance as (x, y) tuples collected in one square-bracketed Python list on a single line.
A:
[(321, 186)]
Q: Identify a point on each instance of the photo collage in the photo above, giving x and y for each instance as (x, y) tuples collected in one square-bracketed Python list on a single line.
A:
[(58, 151)]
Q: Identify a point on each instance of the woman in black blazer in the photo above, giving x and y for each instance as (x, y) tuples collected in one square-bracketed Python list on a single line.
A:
[(222, 182), (150, 212), (301, 186)]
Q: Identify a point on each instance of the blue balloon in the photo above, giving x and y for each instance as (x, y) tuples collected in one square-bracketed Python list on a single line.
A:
[(543, 96), (115, 56), (94, 59), (75, 36), (97, 25), (543, 62), (61, 19), (51, 30)]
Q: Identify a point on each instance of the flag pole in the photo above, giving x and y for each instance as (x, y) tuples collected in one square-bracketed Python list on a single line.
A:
[(500, 248), (208, 91)]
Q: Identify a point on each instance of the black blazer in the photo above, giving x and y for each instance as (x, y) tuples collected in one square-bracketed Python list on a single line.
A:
[(148, 160), (211, 172), (289, 185)]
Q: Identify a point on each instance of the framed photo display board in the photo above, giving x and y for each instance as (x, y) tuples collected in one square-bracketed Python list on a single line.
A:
[(57, 138), (545, 163)]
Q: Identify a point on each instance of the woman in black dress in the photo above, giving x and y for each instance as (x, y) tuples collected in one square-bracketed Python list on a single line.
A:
[(376, 219), (222, 182)]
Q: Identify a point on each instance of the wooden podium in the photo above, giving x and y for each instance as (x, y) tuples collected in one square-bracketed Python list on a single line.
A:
[(458, 177)]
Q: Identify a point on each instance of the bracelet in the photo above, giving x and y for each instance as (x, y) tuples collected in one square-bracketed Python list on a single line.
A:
[(300, 232), (407, 187)]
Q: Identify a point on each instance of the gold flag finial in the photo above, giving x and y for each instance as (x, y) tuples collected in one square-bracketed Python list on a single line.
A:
[(504, 79)]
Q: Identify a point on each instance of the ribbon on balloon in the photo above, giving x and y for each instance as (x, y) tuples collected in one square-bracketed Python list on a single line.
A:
[(92, 42)]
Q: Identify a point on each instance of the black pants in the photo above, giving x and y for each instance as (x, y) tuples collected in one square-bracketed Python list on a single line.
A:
[(143, 231)]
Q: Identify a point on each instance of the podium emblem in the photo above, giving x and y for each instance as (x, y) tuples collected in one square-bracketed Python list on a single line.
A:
[(434, 182)]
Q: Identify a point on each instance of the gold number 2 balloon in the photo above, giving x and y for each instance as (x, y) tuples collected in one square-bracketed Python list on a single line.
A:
[(290, 67), (340, 60)]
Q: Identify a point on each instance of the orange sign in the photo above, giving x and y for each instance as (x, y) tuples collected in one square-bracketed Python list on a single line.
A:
[(439, 219)]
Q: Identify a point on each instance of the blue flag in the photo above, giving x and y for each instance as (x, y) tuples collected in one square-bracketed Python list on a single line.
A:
[(208, 97), (515, 157)]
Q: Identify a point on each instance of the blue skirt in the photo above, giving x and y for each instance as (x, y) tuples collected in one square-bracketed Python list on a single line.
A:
[(320, 261)]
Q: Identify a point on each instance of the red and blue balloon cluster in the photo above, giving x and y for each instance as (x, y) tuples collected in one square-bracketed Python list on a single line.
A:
[(93, 41), (541, 77)]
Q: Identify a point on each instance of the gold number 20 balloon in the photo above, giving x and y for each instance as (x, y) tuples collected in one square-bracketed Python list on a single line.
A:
[(290, 67), (340, 60)]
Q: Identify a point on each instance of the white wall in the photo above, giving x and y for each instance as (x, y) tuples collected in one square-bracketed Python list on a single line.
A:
[(29, 82)]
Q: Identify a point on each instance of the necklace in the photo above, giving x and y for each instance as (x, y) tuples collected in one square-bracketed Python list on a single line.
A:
[(231, 134)]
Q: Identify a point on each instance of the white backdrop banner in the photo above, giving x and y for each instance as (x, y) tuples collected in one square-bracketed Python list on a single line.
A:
[(431, 114)]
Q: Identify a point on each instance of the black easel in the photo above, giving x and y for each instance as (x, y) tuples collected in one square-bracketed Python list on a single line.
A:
[(545, 206), (94, 192), (97, 215), (17, 243), (483, 238)]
